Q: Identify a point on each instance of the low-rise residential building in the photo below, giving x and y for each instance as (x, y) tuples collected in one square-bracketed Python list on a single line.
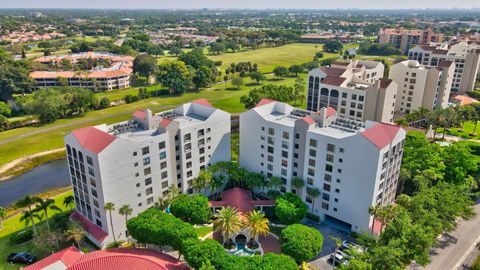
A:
[(466, 57), (353, 164), (404, 39), (135, 162), (422, 86), (355, 89), (116, 76)]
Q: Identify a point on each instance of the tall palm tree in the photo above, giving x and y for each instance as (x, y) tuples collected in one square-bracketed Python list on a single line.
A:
[(202, 181), (298, 184), (217, 182), (313, 193), (69, 201), (258, 224), (338, 243), (375, 212), (125, 210), (275, 182), (3, 214), (228, 222), (111, 207), (28, 202), (27, 217), (388, 213), (45, 205)]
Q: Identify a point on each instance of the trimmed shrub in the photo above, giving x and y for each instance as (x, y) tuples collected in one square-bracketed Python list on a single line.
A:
[(22, 237), (301, 242), (290, 208), (313, 217), (193, 209)]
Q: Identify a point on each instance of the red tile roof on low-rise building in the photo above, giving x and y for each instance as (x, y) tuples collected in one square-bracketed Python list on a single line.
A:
[(165, 122), (264, 101), (93, 139), (331, 111), (384, 83), (203, 102), (309, 120), (241, 199), (111, 259), (67, 256), (333, 71), (89, 226), (333, 80), (381, 134), (140, 114)]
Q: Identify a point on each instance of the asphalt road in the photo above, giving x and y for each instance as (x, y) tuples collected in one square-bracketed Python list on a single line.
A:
[(455, 247)]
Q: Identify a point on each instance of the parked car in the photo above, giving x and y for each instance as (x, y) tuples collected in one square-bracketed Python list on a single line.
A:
[(340, 257), (351, 245), (21, 257)]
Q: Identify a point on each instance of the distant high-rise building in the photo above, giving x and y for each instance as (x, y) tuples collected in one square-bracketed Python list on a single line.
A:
[(404, 39), (422, 86), (356, 90), (465, 56), (135, 162), (353, 164)]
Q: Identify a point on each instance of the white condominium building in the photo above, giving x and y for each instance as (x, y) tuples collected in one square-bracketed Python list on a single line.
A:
[(465, 56), (354, 164), (422, 86), (356, 90), (134, 162)]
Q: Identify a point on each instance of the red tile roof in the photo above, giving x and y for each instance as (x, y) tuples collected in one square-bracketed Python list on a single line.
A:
[(140, 114), (331, 111), (165, 122), (203, 102), (241, 199), (112, 259), (67, 256), (91, 228), (264, 101), (333, 80), (381, 134), (93, 139), (333, 71), (463, 100), (308, 120), (384, 83), (127, 259)]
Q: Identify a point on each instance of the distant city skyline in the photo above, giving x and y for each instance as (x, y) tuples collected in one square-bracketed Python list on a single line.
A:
[(250, 4)]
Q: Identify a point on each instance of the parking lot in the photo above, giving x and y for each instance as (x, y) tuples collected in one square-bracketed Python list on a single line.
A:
[(328, 245)]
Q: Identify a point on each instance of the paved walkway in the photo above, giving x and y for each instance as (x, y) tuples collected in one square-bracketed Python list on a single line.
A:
[(269, 243)]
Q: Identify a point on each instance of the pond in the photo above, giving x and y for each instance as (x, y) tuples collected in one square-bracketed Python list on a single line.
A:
[(42, 178)]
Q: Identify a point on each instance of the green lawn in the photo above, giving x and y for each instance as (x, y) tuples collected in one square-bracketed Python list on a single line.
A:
[(267, 58), (204, 230), (14, 225), (465, 132)]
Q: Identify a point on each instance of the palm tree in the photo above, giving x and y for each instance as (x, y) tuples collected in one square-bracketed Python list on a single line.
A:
[(227, 220), (75, 233), (338, 243), (28, 217), (3, 214), (298, 184), (313, 193), (68, 201), (28, 202), (111, 207), (388, 213), (275, 182), (45, 205), (202, 181), (217, 182), (125, 210), (375, 212), (258, 224)]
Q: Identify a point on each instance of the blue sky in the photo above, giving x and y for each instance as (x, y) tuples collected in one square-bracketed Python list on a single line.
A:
[(260, 4)]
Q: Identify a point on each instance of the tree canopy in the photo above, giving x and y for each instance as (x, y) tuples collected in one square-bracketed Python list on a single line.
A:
[(300, 242), (290, 208), (193, 209)]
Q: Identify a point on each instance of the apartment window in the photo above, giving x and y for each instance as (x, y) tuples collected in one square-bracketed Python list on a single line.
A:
[(311, 172), (189, 174), (148, 181), (93, 182), (188, 147), (313, 143), (135, 164), (311, 162), (138, 185), (149, 191), (145, 150), (163, 165), (200, 133), (163, 175), (188, 155), (146, 161), (310, 181), (135, 153), (297, 136), (94, 193), (270, 150), (330, 158), (150, 200), (325, 205), (189, 164), (147, 171), (361, 98), (339, 181), (270, 167), (344, 95), (271, 131), (91, 171), (341, 150), (139, 195), (330, 147), (285, 144), (187, 137), (339, 170), (89, 160), (201, 142), (328, 168), (354, 97), (336, 199), (326, 187), (340, 160), (285, 154), (164, 184), (286, 135), (208, 130), (326, 196), (313, 153), (337, 190), (328, 178), (284, 163), (270, 158), (202, 159), (271, 140), (283, 172)]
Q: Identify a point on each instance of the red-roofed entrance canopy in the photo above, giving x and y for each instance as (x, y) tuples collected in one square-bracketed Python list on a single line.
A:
[(241, 199)]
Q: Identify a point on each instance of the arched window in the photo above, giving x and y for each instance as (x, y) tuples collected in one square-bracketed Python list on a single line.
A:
[(323, 98), (69, 150), (80, 156), (74, 151), (333, 99)]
